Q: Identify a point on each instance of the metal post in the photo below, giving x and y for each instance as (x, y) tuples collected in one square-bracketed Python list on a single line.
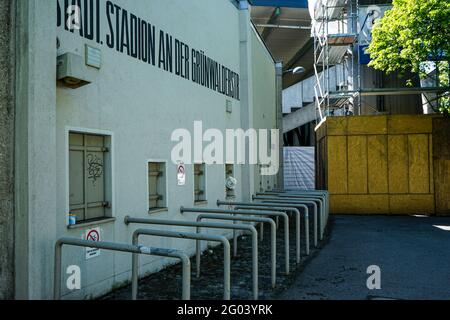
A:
[(283, 201), (250, 228), (322, 193), (273, 245), (193, 236), (322, 196), (256, 206), (282, 207), (319, 197), (251, 213), (136, 250)]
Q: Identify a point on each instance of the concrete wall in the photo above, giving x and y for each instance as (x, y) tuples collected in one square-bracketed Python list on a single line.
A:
[(377, 164), (6, 150), (35, 153), (138, 105), (264, 99)]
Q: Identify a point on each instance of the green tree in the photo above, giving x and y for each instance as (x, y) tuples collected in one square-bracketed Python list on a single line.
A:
[(411, 33)]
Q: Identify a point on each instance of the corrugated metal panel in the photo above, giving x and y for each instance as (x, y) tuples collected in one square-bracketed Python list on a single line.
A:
[(299, 168)]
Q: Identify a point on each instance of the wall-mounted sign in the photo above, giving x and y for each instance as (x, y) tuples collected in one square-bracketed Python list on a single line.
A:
[(92, 235), (135, 37), (181, 174)]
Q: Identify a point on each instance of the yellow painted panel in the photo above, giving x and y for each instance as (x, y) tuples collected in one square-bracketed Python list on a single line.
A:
[(404, 124), (357, 164), (419, 162), (430, 137), (398, 164), (367, 125), (377, 164), (337, 164), (359, 204), (337, 126), (412, 204), (321, 130)]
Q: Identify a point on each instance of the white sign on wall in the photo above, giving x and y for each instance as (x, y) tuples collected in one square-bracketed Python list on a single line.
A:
[(181, 174), (92, 235)]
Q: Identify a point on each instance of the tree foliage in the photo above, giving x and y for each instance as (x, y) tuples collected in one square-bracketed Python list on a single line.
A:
[(413, 32)]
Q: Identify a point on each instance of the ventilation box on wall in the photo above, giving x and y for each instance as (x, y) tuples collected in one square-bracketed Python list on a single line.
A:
[(72, 71)]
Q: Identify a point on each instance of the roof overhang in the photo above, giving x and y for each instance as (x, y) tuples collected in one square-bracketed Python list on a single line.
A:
[(281, 3)]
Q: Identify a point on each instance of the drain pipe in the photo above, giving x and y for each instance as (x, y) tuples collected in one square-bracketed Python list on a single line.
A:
[(187, 235), (120, 247), (273, 242), (250, 213), (197, 225)]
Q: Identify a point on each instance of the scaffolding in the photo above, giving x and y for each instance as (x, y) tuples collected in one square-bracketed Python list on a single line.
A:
[(339, 31), (334, 41)]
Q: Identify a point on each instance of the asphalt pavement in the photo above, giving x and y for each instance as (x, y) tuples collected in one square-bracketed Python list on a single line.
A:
[(412, 253)]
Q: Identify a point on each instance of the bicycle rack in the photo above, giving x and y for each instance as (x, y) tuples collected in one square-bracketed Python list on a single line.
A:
[(279, 208), (273, 243), (192, 236), (246, 227), (282, 201), (319, 198), (323, 195), (134, 249), (249, 213)]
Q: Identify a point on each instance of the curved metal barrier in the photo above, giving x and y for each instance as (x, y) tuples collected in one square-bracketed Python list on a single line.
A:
[(192, 236), (321, 195), (213, 225), (273, 242), (120, 247), (283, 201), (249, 213), (279, 208)]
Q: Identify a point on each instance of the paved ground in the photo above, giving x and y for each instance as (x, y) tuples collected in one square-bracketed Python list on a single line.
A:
[(413, 254)]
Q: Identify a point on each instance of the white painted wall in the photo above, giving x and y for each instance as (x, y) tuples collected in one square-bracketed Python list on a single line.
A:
[(139, 105)]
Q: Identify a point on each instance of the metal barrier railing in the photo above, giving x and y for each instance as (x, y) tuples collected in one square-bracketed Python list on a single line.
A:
[(296, 206), (279, 208), (212, 225), (250, 213), (282, 201), (323, 194), (273, 244), (192, 236), (120, 247), (320, 199)]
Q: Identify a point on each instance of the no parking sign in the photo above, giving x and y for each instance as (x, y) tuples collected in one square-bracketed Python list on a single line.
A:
[(181, 174), (92, 235)]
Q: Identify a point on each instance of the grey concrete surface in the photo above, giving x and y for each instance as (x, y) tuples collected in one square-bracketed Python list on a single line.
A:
[(6, 152), (412, 252)]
